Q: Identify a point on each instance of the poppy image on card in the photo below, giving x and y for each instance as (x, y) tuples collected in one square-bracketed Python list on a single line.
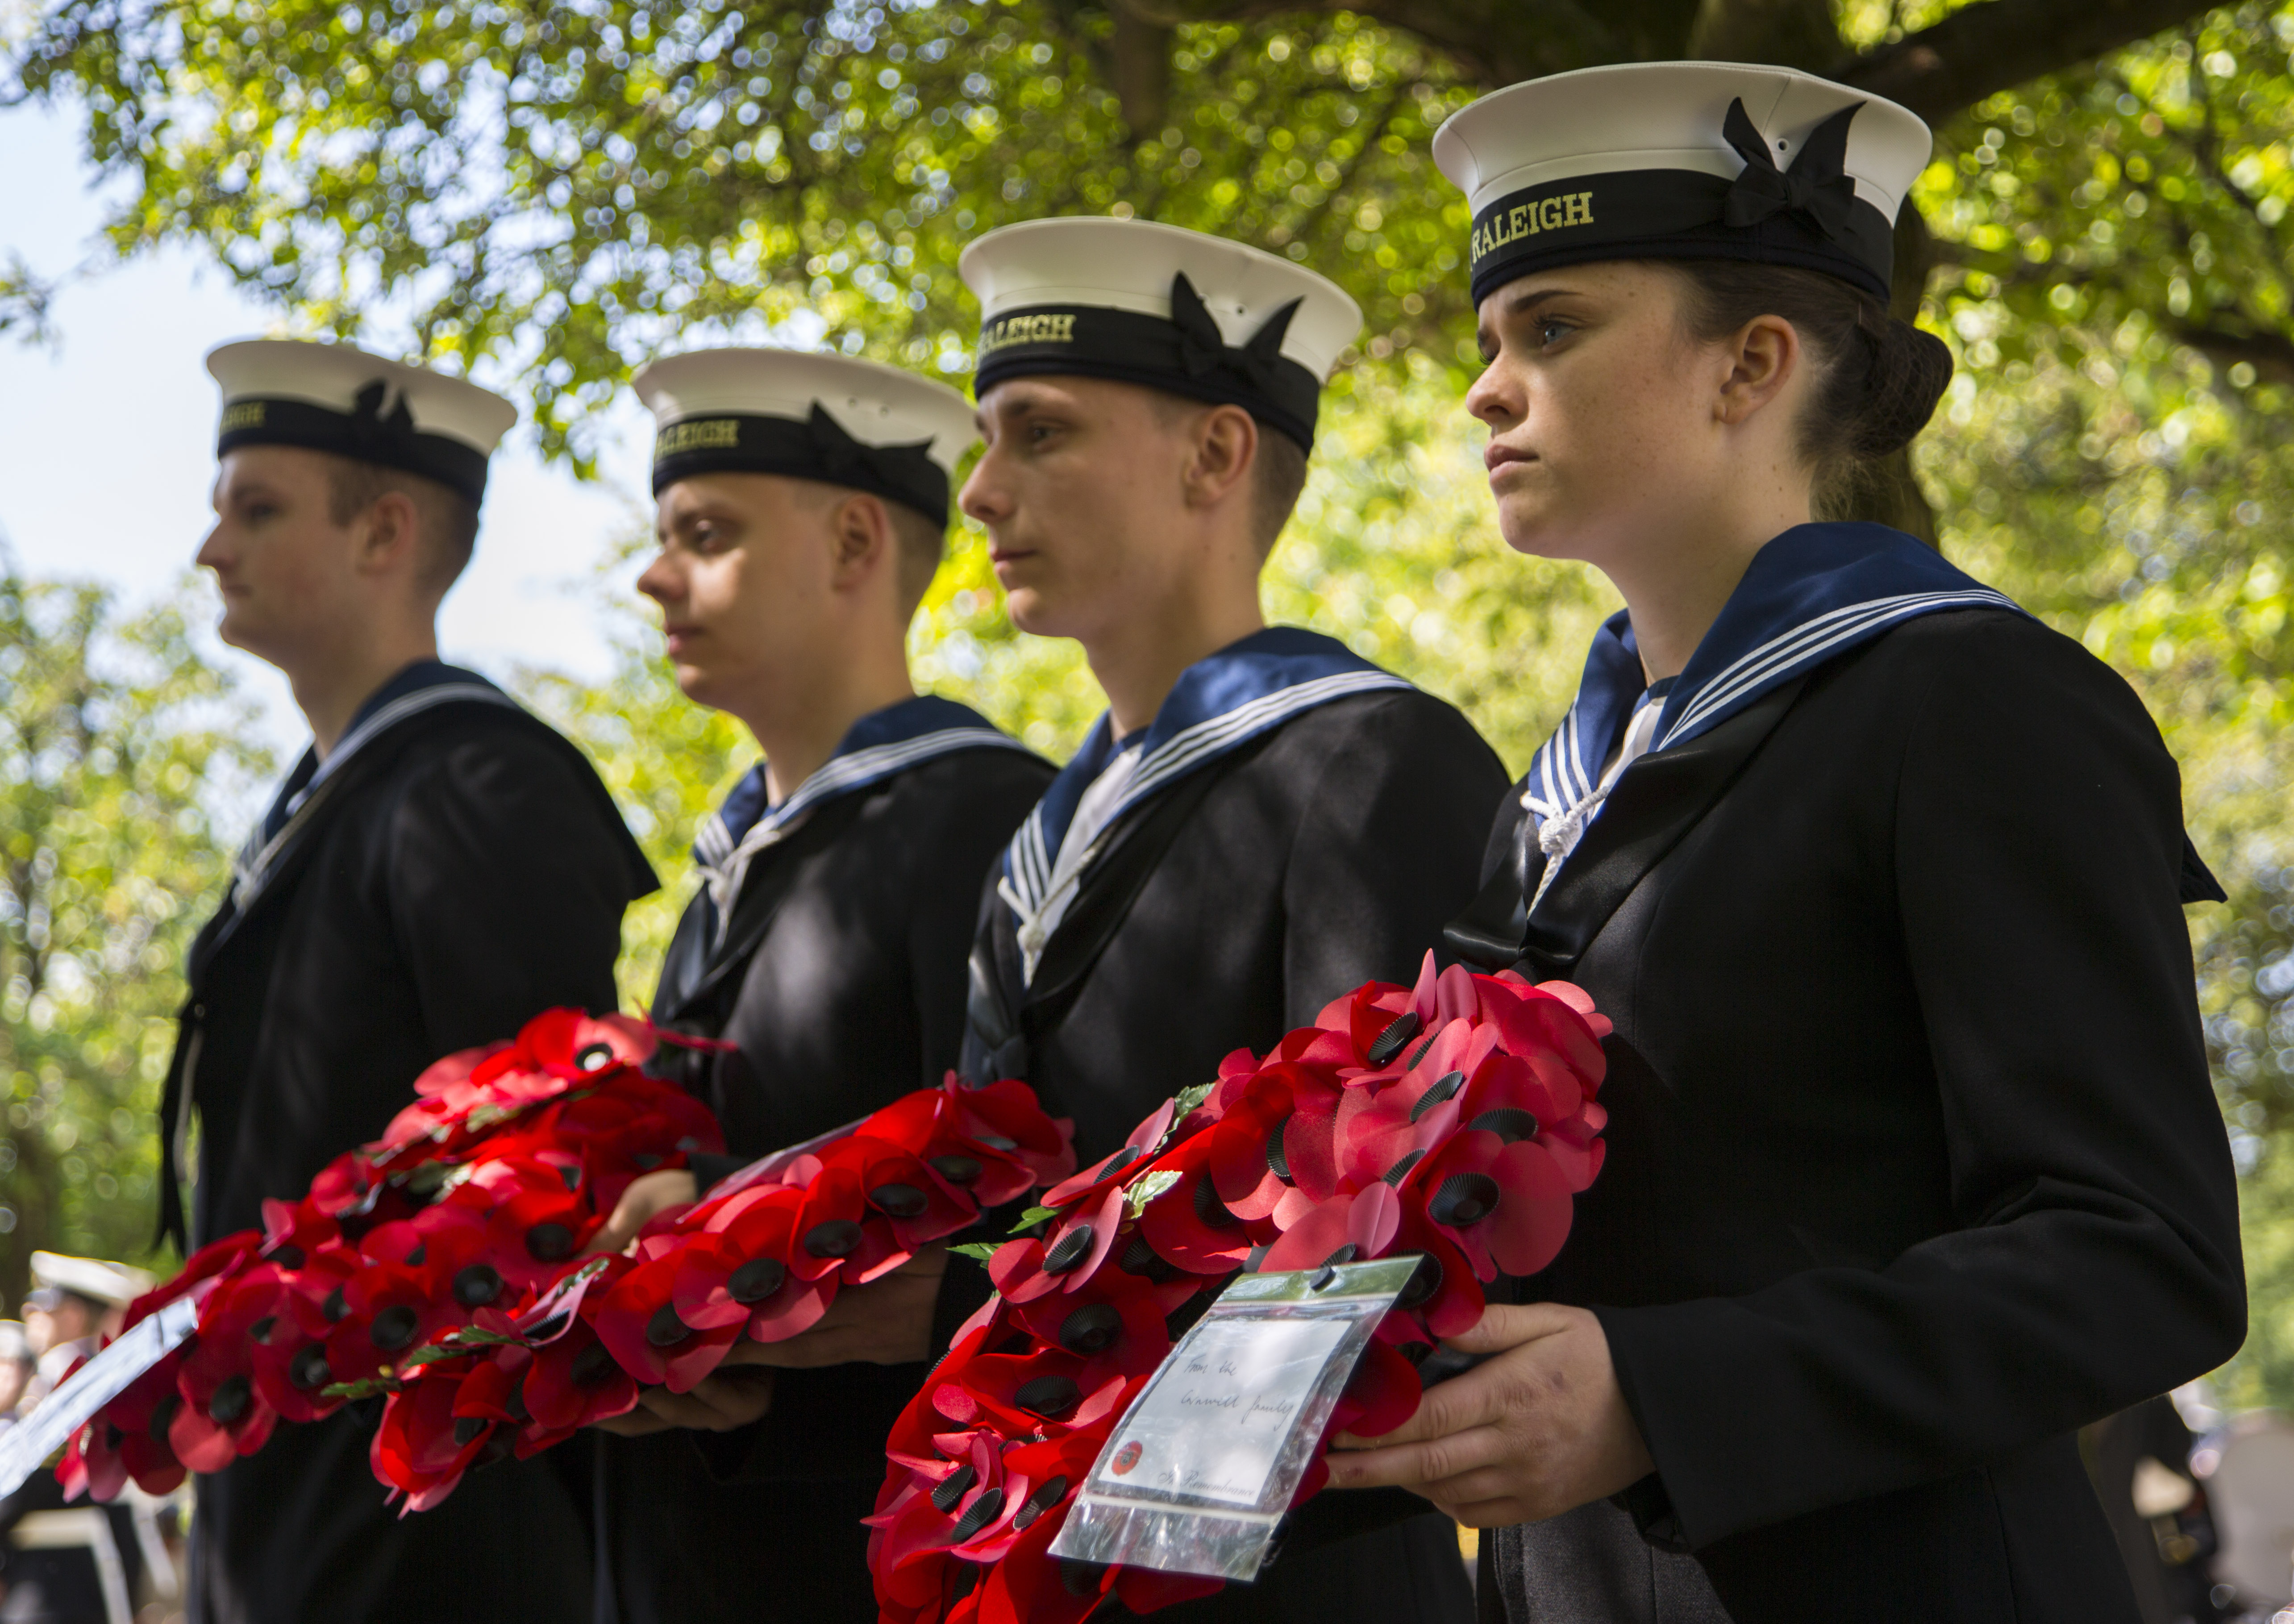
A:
[(1126, 1457)]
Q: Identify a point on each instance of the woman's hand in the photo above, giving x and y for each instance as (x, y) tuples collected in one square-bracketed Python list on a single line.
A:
[(886, 1322), (645, 1199), (1539, 1429), (716, 1404)]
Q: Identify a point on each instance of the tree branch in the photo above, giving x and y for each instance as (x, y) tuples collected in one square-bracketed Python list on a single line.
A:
[(1996, 44)]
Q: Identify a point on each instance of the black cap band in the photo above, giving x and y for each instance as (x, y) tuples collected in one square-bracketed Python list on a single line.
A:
[(1181, 355), (1807, 216), (820, 448), (366, 434)]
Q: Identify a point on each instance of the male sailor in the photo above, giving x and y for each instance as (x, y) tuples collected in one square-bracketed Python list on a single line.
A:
[(1263, 820), (802, 506), (438, 868)]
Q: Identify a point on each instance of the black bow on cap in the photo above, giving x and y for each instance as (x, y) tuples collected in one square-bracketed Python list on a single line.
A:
[(847, 461), (1202, 348), (377, 436), (1817, 187)]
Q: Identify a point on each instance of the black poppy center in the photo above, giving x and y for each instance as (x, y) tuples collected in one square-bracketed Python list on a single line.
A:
[(1388, 1043), (956, 1169), (1069, 1250), (978, 1514), (393, 1327), (1464, 1198), (756, 1279), (469, 1430), (833, 1237), (232, 1396), (335, 1307), (260, 1331), (1510, 1123), (665, 1329), (1448, 1084), (162, 1416), (1048, 1396), (900, 1200), (593, 1057), (1091, 1329), (308, 1370), (287, 1255), (1424, 1281), (1278, 1159), (478, 1286), (1047, 1494), (549, 1243), (591, 1365), (950, 1490), (1210, 1209)]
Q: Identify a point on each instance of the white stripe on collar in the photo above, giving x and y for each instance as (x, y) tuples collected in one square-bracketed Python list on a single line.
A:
[(251, 870), (724, 862), (1027, 888)]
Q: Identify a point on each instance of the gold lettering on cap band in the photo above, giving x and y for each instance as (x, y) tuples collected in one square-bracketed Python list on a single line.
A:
[(1008, 330), (241, 414), (697, 434), (1556, 213)]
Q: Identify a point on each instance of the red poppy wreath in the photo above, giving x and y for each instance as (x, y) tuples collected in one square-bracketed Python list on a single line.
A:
[(1455, 1120), (440, 1266)]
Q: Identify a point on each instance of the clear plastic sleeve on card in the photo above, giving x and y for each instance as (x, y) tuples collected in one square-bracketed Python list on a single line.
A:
[(1207, 1459)]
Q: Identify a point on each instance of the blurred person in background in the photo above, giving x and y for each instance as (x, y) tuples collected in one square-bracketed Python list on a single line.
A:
[(76, 1303), (15, 1369)]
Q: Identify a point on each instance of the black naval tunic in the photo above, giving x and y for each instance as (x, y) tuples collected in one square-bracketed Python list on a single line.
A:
[(840, 982), (1320, 855), (457, 869), (1913, 1162)]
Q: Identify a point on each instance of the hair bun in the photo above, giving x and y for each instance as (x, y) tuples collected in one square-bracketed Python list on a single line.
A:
[(1909, 371)]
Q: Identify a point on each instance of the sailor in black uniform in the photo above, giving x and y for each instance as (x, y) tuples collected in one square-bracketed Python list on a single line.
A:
[(803, 501), (438, 868), (1912, 1164), (1263, 820)]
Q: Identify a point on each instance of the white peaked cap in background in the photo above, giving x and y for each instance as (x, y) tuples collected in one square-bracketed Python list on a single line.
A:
[(333, 397), (88, 1277), (804, 415), (1607, 135)]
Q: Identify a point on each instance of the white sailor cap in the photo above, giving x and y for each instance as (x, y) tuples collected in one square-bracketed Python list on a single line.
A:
[(1683, 160), (1171, 308), (330, 397), (115, 1283), (836, 419)]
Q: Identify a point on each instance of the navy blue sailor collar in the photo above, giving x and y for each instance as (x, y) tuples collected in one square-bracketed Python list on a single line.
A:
[(1810, 595), (879, 746), (1220, 702), (418, 686)]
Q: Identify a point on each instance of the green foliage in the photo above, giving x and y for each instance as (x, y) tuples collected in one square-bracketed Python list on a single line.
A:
[(116, 739), (599, 179)]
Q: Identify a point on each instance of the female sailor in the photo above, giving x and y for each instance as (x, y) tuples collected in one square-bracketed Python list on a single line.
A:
[(1914, 1167)]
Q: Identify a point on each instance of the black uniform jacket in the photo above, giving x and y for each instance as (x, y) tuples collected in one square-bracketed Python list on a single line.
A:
[(1325, 853), (463, 871), (1913, 1162), (840, 982)]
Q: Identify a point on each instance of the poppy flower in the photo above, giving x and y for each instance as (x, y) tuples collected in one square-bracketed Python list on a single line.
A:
[(640, 1325), (1120, 1167), (1005, 1116), (422, 1447), (1113, 1322), (1250, 1181), (224, 1414), (1188, 1224), (736, 1270), (576, 1382), (1507, 1205), (537, 1225)]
